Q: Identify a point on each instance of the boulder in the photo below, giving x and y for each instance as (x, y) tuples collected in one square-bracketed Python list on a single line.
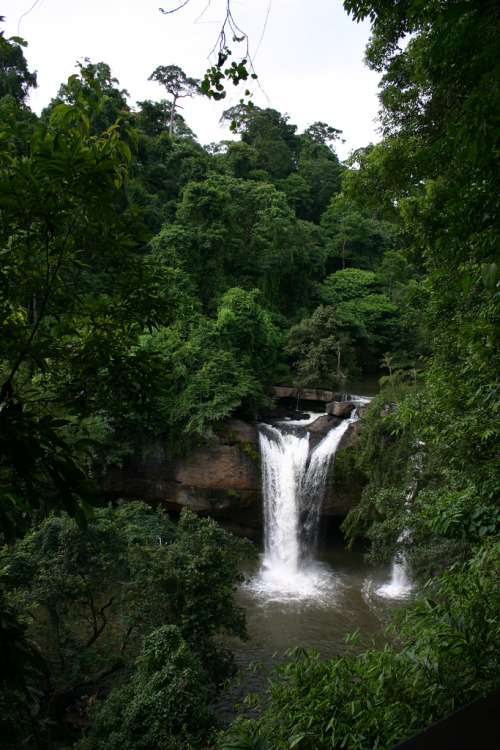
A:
[(316, 394), (320, 427), (339, 408), (307, 394)]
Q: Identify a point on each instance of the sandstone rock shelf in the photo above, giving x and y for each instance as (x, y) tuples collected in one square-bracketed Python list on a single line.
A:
[(222, 478)]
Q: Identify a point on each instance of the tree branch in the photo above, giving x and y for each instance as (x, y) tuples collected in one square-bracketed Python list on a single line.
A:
[(98, 631)]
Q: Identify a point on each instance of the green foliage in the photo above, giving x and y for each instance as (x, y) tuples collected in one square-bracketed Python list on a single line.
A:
[(436, 174), (320, 169), (107, 340), (129, 573), (394, 275), (351, 330), (231, 232), (153, 119), (274, 139), (75, 298), (349, 284), (236, 159), (243, 735), (162, 707), (215, 76), (21, 667), (245, 326), (380, 176), (161, 170), (15, 78), (353, 237), (132, 583), (320, 349), (216, 366), (191, 583)]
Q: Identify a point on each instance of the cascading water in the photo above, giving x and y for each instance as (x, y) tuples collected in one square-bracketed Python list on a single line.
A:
[(300, 593), (399, 586), (293, 488)]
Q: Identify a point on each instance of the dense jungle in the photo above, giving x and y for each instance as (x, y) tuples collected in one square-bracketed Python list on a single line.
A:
[(152, 287)]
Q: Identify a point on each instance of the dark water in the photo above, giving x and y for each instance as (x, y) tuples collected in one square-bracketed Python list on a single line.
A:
[(337, 596), (369, 385)]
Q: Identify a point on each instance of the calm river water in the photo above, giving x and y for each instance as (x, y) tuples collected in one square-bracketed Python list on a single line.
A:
[(339, 595)]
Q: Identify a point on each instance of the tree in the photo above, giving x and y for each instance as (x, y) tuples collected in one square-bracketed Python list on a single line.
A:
[(104, 593), (349, 284), (75, 297), (353, 237), (155, 117), (323, 133), (321, 350), (237, 159), (177, 84), (233, 232), (15, 78), (448, 212), (164, 705), (161, 169), (107, 104), (274, 139)]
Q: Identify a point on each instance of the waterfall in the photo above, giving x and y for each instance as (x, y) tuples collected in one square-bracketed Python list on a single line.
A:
[(399, 585), (293, 489)]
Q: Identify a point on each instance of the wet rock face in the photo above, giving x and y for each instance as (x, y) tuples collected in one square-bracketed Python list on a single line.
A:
[(223, 478), (341, 409), (319, 428), (307, 394), (282, 411)]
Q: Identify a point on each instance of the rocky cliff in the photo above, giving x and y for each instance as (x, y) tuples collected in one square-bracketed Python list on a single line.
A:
[(223, 478)]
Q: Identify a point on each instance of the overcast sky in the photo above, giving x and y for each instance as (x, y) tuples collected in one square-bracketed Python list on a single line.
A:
[(308, 55)]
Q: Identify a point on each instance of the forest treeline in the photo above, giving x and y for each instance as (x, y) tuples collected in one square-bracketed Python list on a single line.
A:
[(151, 286)]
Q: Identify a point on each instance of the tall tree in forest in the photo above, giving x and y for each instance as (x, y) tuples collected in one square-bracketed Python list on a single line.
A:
[(74, 297), (177, 84)]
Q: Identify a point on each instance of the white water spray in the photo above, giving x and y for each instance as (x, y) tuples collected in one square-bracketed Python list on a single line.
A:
[(293, 488), (399, 586)]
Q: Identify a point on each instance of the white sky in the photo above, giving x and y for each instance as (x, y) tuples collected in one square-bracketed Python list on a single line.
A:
[(309, 60)]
